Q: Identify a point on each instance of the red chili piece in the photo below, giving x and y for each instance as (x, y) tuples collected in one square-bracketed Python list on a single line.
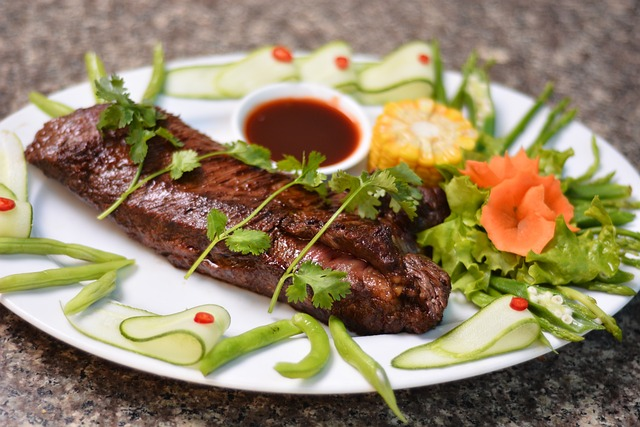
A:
[(424, 58), (203, 317), (342, 62), (519, 304), (282, 54), (6, 204)]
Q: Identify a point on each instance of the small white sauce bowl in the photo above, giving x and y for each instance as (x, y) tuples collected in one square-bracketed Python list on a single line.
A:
[(355, 162)]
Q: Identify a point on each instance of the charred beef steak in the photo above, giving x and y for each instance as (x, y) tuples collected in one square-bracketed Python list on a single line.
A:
[(393, 288)]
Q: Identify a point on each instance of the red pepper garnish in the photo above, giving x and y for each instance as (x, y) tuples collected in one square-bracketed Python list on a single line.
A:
[(342, 62), (424, 58), (519, 304), (282, 54), (203, 317), (6, 204)]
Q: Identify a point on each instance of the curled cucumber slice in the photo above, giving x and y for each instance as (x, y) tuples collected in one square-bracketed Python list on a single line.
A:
[(329, 65), (261, 67), (16, 222), (13, 166), (197, 82), (410, 62), (495, 329), (177, 338)]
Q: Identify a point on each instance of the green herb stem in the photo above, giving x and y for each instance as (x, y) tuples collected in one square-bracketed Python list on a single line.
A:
[(239, 225), (294, 264), (132, 187)]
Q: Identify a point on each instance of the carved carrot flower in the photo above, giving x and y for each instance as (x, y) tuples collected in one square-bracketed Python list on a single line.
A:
[(522, 207)]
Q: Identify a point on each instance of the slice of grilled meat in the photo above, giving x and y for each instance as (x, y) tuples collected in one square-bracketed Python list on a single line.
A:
[(393, 288)]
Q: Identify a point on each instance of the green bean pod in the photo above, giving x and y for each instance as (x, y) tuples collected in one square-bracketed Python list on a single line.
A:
[(317, 357), (371, 370), (49, 106), (254, 339), (59, 276), (91, 293), (95, 71), (158, 75), (44, 246)]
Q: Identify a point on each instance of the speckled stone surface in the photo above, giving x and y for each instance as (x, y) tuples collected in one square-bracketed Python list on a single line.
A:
[(590, 49)]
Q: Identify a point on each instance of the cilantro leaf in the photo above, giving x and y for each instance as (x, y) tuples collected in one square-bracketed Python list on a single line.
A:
[(328, 285), (216, 223), (183, 161), (251, 154), (306, 169), (246, 241)]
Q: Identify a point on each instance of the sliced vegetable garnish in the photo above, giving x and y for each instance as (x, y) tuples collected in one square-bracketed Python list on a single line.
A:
[(263, 66), (13, 166), (16, 217), (329, 65), (174, 338), (495, 329)]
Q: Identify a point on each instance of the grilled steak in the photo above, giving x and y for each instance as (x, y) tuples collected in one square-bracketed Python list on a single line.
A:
[(393, 288)]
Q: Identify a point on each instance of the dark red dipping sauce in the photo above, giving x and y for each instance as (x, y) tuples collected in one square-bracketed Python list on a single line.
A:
[(300, 125)]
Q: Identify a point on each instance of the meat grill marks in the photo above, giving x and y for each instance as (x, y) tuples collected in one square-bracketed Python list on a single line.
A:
[(393, 288)]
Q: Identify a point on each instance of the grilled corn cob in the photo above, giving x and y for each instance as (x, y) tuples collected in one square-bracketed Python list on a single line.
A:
[(421, 133)]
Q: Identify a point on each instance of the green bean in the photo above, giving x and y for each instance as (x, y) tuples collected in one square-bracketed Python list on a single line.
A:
[(232, 348), (95, 71), (91, 293), (608, 321), (439, 91), (49, 106), (44, 246), (158, 74), (559, 332), (317, 357), (510, 138), (59, 276), (371, 370), (604, 191)]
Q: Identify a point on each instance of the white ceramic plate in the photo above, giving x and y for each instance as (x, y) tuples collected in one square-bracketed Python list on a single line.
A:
[(156, 286)]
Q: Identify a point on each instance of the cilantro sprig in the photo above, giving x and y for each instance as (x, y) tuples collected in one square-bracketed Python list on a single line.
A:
[(141, 120), (247, 241), (363, 194)]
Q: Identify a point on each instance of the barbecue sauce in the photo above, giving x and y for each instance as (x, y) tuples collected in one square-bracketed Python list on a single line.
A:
[(296, 126)]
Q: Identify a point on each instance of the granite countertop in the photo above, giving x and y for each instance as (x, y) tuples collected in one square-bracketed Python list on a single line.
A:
[(590, 49)]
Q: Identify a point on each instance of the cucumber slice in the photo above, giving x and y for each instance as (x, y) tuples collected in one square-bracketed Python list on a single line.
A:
[(257, 69), (495, 329), (322, 66), (196, 82), (410, 62), (13, 167), (174, 338), (420, 88), (18, 221)]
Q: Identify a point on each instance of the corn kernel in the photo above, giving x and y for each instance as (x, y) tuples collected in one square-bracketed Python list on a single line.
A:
[(421, 133)]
